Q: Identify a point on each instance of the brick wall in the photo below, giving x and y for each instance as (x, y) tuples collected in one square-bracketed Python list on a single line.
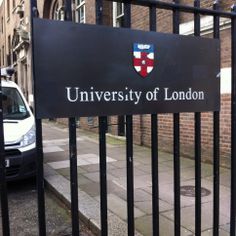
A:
[(90, 11), (142, 132)]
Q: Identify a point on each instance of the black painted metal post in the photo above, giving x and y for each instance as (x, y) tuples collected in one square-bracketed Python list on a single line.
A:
[(73, 154), (197, 144), (155, 177), (154, 138), (3, 185), (130, 174), (73, 177), (177, 213), (233, 127), (129, 147), (40, 179), (216, 155), (103, 174), (39, 143), (102, 147), (68, 10)]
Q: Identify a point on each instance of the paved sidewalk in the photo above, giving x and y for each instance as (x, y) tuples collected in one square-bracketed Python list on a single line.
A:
[(57, 177)]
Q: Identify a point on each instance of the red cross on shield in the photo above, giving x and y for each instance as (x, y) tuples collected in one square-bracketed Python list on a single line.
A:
[(143, 58)]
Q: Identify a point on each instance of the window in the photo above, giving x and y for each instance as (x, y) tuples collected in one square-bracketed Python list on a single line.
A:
[(55, 11), (13, 105), (80, 11), (58, 12), (90, 121), (118, 14)]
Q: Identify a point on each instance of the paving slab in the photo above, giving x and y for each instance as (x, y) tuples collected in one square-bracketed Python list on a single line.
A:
[(144, 226), (66, 172), (225, 177), (146, 206), (58, 142), (56, 156), (141, 195), (91, 188), (210, 232), (122, 163), (188, 217), (139, 181), (163, 156), (119, 207), (49, 149), (94, 176), (226, 227), (184, 163), (82, 160)]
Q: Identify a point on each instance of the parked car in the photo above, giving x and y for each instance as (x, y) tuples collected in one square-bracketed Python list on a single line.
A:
[(19, 133)]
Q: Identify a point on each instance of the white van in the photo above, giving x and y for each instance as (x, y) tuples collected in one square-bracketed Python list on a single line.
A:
[(19, 133)]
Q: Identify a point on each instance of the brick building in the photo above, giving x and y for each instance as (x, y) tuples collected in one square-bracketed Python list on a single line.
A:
[(15, 50)]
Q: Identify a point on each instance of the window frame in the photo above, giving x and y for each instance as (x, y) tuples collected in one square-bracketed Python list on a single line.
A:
[(117, 19), (80, 4)]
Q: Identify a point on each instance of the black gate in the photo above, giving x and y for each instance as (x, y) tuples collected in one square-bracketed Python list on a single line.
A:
[(153, 6)]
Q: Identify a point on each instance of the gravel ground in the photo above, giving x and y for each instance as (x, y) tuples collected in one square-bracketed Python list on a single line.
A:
[(22, 200)]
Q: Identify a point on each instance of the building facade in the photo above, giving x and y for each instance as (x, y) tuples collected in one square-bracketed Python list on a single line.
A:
[(15, 43), (15, 50)]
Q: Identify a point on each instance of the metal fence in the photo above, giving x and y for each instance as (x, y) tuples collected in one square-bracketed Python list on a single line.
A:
[(153, 6)]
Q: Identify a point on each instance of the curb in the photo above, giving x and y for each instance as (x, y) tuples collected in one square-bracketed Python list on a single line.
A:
[(89, 209)]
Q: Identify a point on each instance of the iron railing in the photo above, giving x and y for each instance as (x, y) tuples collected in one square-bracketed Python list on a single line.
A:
[(153, 6)]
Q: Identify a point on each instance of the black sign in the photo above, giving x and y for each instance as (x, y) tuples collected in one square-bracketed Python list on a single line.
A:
[(89, 70)]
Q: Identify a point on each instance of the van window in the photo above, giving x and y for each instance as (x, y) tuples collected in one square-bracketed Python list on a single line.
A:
[(13, 105)]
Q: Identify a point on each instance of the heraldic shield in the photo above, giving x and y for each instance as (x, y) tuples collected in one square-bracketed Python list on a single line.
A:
[(143, 59)]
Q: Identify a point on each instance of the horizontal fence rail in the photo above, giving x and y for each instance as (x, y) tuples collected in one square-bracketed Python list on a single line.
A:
[(179, 7)]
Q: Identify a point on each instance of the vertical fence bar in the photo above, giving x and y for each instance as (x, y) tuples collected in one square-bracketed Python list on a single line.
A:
[(103, 174), (177, 213), (130, 175), (102, 147), (39, 142), (233, 126), (197, 117), (73, 154), (154, 140), (68, 10), (40, 179), (216, 143), (3, 185), (155, 178), (73, 177), (129, 147), (99, 11)]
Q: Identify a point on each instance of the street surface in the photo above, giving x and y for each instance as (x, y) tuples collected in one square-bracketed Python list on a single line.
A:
[(23, 212)]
